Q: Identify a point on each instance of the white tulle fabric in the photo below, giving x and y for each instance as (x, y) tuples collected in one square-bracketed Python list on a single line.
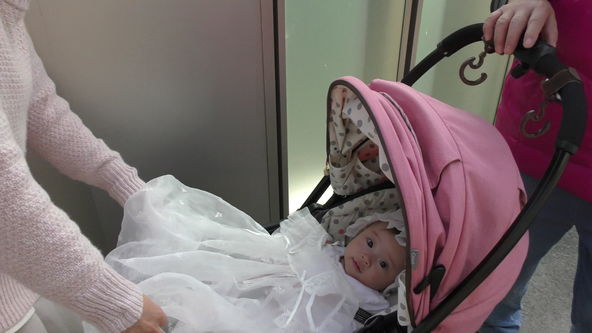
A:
[(214, 269)]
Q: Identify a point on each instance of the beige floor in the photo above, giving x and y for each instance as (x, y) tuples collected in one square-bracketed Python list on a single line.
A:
[(547, 303)]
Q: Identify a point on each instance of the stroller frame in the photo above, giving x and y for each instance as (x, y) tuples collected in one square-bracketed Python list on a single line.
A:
[(542, 59)]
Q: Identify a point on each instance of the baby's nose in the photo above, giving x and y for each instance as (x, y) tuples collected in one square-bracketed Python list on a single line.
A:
[(366, 260)]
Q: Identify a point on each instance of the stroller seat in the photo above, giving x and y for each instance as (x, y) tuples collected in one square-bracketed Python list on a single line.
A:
[(450, 172)]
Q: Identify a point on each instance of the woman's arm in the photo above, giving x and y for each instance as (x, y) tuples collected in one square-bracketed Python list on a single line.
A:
[(43, 249), (531, 17), (60, 137), (39, 245)]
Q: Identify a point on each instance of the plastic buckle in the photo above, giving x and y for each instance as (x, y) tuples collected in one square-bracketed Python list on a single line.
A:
[(433, 280), (372, 325)]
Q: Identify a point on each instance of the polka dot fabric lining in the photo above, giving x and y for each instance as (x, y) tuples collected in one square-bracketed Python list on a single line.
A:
[(356, 160), (336, 220)]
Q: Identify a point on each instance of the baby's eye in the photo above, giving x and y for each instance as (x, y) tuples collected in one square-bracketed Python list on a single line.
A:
[(369, 242), (383, 264)]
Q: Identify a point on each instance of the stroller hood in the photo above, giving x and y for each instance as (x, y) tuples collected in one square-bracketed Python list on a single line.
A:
[(459, 187)]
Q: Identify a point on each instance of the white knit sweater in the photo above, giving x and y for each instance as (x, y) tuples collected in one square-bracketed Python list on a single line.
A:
[(41, 250)]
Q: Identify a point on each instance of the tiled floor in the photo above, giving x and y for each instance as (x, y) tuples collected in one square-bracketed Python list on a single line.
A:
[(547, 303)]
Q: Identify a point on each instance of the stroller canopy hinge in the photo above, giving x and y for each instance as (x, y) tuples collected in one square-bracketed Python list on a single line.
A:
[(433, 280)]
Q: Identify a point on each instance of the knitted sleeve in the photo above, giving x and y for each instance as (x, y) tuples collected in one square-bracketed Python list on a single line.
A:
[(60, 137), (39, 245), (44, 250)]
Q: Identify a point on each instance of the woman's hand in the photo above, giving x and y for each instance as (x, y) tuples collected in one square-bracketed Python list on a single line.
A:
[(151, 320), (531, 17)]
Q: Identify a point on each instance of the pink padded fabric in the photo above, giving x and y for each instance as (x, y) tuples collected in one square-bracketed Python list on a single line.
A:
[(461, 190)]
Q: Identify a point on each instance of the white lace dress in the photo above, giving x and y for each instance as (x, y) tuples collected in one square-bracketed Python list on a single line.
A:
[(214, 269)]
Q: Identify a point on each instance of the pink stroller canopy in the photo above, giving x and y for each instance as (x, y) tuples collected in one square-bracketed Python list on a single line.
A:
[(459, 186)]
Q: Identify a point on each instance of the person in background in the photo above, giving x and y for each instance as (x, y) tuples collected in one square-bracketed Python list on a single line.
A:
[(42, 252), (566, 24)]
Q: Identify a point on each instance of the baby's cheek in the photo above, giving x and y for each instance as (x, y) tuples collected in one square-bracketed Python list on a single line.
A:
[(379, 277), (387, 278)]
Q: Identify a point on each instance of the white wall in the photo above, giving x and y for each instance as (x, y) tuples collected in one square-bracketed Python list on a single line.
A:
[(176, 86), (326, 40)]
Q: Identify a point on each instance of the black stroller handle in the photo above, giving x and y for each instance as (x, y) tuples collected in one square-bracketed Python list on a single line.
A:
[(318, 192), (447, 47)]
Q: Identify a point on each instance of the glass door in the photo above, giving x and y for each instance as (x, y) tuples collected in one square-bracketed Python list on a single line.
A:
[(325, 40), (437, 20), (369, 39)]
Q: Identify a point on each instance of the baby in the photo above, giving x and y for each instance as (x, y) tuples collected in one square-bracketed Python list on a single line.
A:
[(214, 269), (377, 263)]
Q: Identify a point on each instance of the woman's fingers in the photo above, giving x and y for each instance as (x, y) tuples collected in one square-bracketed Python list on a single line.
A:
[(489, 24), (501, 30), (536, 22), (517, 25), (151, 319), (550, 32), (509, 23)]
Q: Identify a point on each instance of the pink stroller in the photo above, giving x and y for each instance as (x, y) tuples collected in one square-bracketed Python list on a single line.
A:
[(455, 180)]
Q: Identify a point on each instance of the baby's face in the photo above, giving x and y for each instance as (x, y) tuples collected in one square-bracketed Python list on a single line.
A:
[(374, 257)]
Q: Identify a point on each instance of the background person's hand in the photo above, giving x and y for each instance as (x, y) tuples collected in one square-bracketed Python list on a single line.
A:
[(506, 25), (151, 320)]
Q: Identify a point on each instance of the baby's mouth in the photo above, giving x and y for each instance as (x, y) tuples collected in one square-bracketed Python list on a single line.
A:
[(356, 265)]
